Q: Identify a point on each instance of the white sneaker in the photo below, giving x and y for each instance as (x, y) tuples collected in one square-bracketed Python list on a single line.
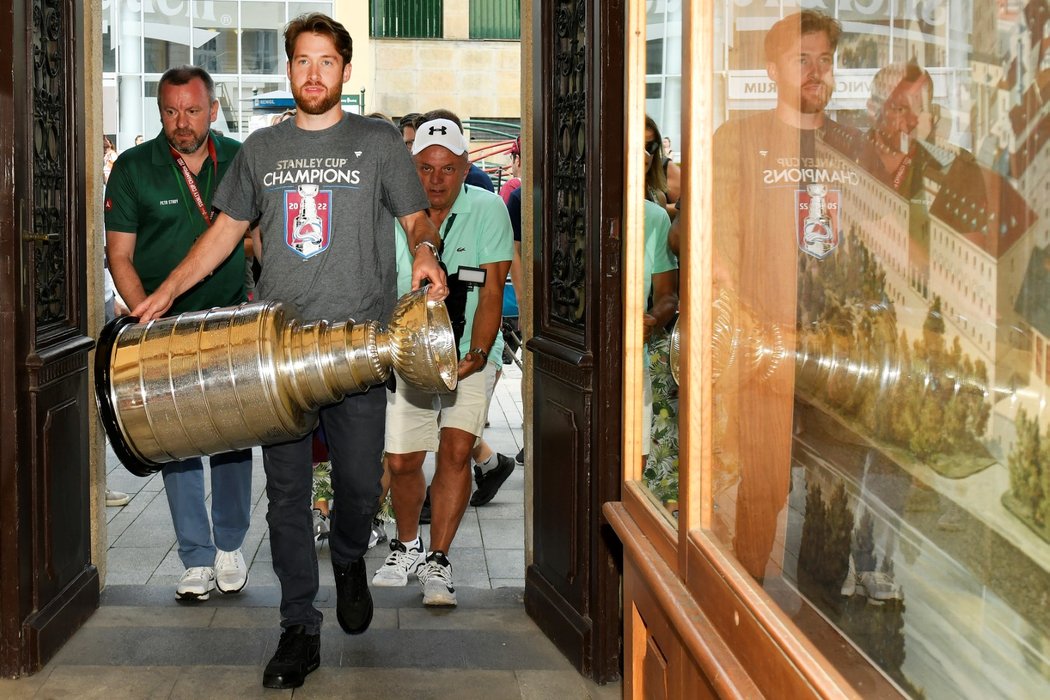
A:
[(116, 498), (231, 571), (436, 579), (378, 534), (399, 564), (196, 583), (321, 526)]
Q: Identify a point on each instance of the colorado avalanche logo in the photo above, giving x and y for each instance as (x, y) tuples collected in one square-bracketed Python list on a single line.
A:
[(817, 225), (307, 229)]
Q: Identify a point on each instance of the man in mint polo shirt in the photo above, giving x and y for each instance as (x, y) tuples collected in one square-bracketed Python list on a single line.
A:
[(476, 248), (158, 201)]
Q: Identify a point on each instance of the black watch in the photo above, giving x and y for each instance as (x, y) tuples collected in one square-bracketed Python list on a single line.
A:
[(478, 351)]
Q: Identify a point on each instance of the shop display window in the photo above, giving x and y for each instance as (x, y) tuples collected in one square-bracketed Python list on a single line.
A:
[(870, 402)]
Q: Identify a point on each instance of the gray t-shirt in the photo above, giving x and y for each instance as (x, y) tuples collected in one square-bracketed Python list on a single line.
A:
[(326, 201)]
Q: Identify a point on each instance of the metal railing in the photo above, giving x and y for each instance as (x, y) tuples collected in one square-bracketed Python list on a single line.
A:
[(407, 19), (495, 19), (505, 133)]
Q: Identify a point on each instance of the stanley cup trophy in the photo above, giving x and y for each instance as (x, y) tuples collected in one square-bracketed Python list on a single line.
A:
[(224, 379)]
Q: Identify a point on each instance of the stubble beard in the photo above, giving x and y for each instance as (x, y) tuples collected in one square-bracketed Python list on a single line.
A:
[(197, 142)]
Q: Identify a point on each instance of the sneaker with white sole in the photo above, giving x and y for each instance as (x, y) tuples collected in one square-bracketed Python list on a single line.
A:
[(196, 583), (399, 564), (378, 534), (321, 525), (436, 579), (231, 571)]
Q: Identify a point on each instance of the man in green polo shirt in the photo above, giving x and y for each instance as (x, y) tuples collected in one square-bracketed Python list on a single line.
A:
[(476, 248), (158, 201)]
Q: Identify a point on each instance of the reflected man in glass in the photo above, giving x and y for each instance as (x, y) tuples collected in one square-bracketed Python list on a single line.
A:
[(777, 197)]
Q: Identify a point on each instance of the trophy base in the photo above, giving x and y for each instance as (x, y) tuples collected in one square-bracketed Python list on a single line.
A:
[(107, 412)]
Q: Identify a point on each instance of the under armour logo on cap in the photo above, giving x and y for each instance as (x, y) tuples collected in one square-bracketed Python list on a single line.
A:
[(440, 132)]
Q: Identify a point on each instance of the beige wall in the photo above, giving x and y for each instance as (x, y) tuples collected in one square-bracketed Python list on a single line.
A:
[(472, 78), (456, 18), (353, 14)]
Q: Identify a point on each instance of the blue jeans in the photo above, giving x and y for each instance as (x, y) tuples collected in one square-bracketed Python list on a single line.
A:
[(231, 505), (354, 431)]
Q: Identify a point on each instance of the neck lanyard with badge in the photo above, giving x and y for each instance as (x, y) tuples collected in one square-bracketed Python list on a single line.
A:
[(471, 276), (191, 181)]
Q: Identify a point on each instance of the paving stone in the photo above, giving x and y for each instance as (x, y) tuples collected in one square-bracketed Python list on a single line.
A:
[(399, 684), (100, 681), (501, 511), (154, 535), (503, 534), (510, 563), (159, 645), (25, 687), (125, 565), (146, 616), (241, 682), (543, 685), (492, 619)]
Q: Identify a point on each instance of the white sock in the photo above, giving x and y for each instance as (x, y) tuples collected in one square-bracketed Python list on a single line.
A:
[(489, 464), (414, 544)]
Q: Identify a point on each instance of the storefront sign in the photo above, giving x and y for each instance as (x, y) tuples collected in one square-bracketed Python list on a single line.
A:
[(200, 9)]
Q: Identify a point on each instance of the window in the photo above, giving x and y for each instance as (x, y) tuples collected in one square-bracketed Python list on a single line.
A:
[(495, 19), (877, 470), (407, 19)]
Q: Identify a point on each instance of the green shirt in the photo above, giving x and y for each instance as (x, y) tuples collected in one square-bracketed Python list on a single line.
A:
[(476, 232), (147, 196)]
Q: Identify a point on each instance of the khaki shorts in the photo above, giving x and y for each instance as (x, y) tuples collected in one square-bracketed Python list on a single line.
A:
[(414, 419)]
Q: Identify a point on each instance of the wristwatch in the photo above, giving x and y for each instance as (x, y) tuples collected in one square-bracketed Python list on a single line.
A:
[(428, 244), (478, 351)]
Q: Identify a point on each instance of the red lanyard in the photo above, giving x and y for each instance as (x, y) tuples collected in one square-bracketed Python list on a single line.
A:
[(191, 182)]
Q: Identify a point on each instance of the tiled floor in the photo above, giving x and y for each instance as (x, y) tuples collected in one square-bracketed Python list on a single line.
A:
[(143, 644)]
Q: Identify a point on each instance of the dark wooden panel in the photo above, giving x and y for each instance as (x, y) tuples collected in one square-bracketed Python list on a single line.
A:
[(48, 585), (572, 588)]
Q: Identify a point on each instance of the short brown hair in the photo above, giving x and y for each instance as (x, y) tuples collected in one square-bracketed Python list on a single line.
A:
[(182, 75), (318, 23), (783, 35)]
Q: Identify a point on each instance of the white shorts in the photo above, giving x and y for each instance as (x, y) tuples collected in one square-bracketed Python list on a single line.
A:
[(414, 419)]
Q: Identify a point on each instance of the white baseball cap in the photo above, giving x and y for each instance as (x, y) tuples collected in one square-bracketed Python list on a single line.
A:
[(440, 132)]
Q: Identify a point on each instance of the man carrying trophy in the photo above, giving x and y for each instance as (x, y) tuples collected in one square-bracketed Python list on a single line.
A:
[(364, 179)]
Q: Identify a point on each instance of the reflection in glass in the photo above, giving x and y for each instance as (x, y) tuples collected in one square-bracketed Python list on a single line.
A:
[(882, 264), (218, 54), (166, 39), (663, 190)]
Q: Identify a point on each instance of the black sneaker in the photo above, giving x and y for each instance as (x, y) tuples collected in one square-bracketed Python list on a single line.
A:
[(298, 653), (489, 482), (353, 607), (424, 513), (520, 457)]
